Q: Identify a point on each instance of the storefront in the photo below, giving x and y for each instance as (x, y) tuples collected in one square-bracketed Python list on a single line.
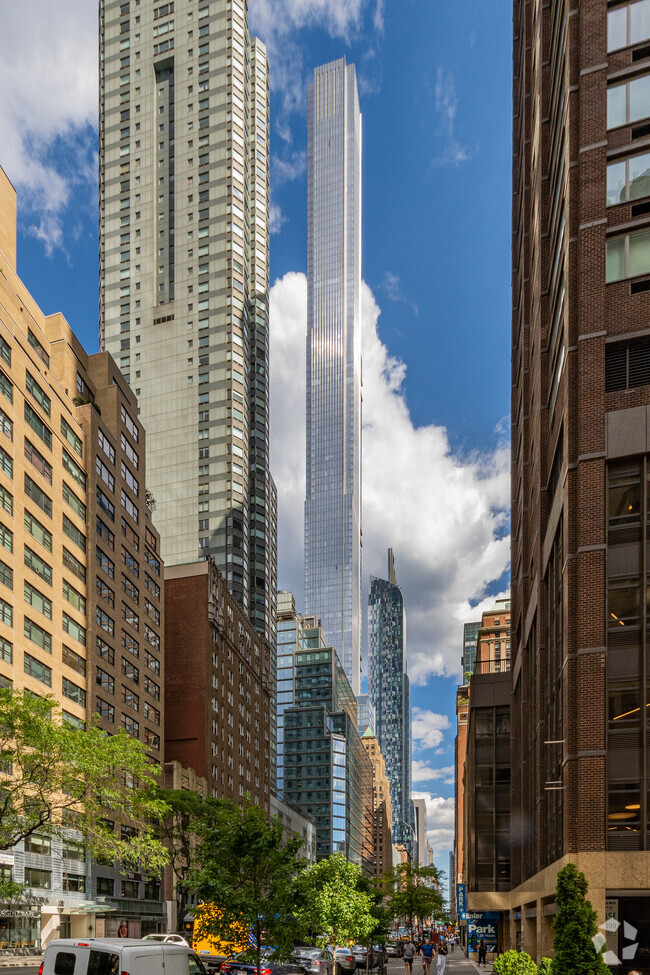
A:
[(20, 928)]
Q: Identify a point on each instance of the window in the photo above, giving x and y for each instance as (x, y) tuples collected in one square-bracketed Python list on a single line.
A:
[(105, 680), (38, 600), (152, 612), (151, 713), (132, 728), (129, 506), (38, 844), (628, 102), (73, 692), (73, 720), (152, 662), (74, 534), (6, 613), (130, 424), (6, 387), (105, 710), (34, 668), (6, 425), (130, 479), (151, 637), (7, 651), (75, 503), (6, 500), (35, 457), (129, 451), (105, 622), (38, 531), (106, 446), (105, 504), (105, 533), (130, 643), (628, 179), (6, 575), (152, 562), (132, 591), (38, 878), (130, 616), (37, 565), (105, 886), (38, 348), (72, 438), (104, 651), (6, 463), (152, 586), (73, 660), (6, 538), (130, 535), (628, 256), (107, 565), (75, 566), (38, 394), (73, 850), (103, 472), (73, 629), (40, 429), (39, 497), (73, 469), (628, 24), (152, 688), (5, 351), (73, 597)]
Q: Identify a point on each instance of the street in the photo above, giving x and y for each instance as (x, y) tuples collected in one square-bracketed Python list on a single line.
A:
[(457, 964)]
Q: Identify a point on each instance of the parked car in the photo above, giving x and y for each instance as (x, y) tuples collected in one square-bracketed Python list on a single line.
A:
[(110, 956), (345, 960), (394, 949), (168, 939), (316, 961), (360, 954), (245, 963)]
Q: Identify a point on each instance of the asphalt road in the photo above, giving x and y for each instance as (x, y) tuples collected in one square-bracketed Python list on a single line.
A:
[(22, 970)]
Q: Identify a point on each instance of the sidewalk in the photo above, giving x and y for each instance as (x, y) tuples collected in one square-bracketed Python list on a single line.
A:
[(20, 961)]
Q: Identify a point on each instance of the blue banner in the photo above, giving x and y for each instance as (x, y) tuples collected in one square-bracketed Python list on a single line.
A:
[(461, 901), (482, 926)]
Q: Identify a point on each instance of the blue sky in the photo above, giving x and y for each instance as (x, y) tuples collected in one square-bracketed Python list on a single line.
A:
[(435, 86)]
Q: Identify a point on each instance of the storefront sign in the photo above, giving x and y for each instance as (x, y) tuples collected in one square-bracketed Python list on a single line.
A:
[(482, 926), (7, 913)]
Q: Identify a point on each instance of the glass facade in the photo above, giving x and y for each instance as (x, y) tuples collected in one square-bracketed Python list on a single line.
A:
[(366, 718), (390, 696), (333, 462), (470, 642)]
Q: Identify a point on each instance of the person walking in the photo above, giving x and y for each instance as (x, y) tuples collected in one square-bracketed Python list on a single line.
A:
[(409, 955), (482, 952), (442, 958), (426, 950)]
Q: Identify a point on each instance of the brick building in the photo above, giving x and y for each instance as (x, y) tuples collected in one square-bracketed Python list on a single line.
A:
[(382, 814), (580, 397), (217, 686)]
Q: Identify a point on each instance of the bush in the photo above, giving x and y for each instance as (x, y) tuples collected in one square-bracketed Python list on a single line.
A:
[(514, 963), (546, 966)]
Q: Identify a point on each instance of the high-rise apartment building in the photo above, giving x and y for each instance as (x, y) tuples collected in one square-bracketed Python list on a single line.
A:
[(184, 197), (333, 501), (382, 814), (323, 767), (390, 694), (81, 598), (580, 397)]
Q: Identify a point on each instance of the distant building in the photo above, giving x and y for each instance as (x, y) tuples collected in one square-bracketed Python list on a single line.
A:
[(323, 767), (390, 695), (295, 822), (470, 640), (218, 686), (382, 815), (493, 640), (420, 809), (366, 718)]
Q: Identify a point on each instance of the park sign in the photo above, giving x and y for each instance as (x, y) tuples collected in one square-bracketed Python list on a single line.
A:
[(461, 901), (482, 925)]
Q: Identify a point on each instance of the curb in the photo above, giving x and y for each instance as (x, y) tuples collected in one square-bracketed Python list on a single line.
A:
[(20, 961)]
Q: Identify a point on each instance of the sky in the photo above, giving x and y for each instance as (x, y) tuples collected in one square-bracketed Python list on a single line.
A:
[(435, 90)]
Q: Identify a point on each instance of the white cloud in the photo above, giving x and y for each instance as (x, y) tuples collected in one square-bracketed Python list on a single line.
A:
[(421, 772), (48, 80), (427, 728), (444, 514), (276, 218), (440, 821), (452, 150)]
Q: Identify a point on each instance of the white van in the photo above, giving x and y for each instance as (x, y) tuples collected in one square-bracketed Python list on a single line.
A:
[(118, 956)]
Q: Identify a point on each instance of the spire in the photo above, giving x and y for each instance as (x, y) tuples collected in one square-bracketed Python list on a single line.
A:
[(391, 566)]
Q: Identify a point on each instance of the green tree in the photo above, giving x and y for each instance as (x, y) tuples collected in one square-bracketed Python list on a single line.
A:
[(412, 893), (332, 906), (514, 963), (54, 777), (246, 874), (574, 926)]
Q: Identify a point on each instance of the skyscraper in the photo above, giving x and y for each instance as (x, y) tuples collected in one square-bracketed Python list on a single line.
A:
[(391, 697), (184, 201), (580, 749), (333, 501)]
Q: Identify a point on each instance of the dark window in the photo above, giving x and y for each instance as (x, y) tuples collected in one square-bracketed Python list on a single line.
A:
[(103, 963), (64, 963), (627, 364)]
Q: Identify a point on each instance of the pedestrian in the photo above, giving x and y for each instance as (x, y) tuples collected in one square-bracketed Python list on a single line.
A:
[(442, 957), (426, 951), (482, 952), (409, 955)]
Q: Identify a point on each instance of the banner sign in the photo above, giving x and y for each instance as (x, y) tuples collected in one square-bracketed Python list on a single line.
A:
[(461, 901), (482, 926)]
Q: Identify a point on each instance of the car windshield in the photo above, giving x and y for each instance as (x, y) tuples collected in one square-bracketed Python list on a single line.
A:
[(308, 952)]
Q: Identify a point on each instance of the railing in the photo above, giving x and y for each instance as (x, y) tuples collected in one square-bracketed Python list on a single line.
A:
[(492, 665)]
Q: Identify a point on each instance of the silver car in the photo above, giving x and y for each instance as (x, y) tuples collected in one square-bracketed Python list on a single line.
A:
[(316, 961), (345, 960)]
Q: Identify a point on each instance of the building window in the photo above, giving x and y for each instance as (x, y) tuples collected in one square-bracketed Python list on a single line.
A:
[(628, 24), (628, 256), (628, 102)]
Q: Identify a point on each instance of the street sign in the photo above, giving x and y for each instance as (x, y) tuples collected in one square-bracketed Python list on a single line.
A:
[(461, 901)]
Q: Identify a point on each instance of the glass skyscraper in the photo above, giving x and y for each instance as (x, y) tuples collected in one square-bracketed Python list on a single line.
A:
[(333, 463), (184, 256), (391, 697)]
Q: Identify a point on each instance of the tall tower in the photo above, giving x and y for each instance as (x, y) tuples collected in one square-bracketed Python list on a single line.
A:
[(184, 164), (333, 502), (391, 697), (580, 749)]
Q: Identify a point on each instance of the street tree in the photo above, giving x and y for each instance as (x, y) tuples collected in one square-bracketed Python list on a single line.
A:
[(332, 904), (246, 873), (55, 777), (412, 892), (574, 926)]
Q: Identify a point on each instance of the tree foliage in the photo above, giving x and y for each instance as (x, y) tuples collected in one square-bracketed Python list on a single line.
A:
[(55, 777), (514, 963), (333, 905), (246, 871), (412, 893), (574, 926)]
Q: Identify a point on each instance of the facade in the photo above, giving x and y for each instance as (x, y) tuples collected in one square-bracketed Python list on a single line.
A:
[(295, 822), (366, 718), (184, 199), (470, 639), (580, 397), (333, 464), (79, 545), (323, 767), (493, 640), (217, 686), (460, 752), (420, 810), (382, 815), (390, 695)]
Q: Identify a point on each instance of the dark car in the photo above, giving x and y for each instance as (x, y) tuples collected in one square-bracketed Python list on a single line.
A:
[(245, 963), (316, 961)]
